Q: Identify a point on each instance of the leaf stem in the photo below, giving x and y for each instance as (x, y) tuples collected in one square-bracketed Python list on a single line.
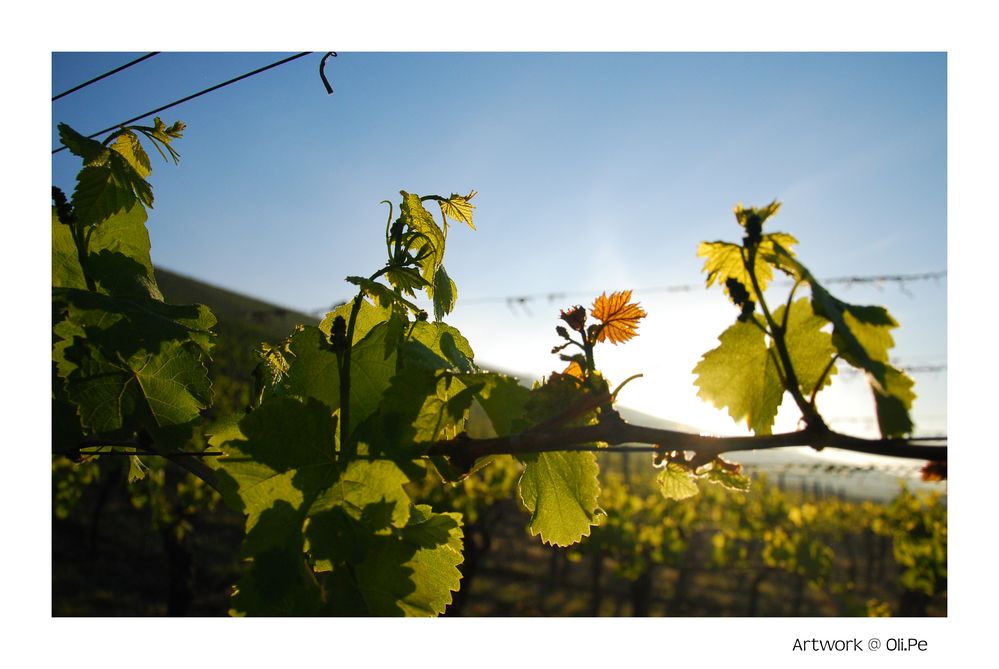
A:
[(822, 378), (791, 384), (787, 308)]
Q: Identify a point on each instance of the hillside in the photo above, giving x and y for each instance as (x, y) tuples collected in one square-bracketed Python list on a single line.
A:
[(230, 307)]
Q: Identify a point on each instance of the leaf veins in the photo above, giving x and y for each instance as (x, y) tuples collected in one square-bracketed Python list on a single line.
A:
[(618, 315)]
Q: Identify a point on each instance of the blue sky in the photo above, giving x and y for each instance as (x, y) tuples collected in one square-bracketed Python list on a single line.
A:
[(595, 171)]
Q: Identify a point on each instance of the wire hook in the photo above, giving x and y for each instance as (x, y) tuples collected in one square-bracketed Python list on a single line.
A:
[(322, 72)]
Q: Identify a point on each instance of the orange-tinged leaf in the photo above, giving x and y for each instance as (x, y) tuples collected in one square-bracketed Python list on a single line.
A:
[(619, 316), (574, 369)]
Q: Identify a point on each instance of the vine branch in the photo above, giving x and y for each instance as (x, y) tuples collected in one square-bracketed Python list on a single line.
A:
[(614, 430)]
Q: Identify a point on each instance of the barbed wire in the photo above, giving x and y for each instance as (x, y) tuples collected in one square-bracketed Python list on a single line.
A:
[(561, 296), (909, 369)]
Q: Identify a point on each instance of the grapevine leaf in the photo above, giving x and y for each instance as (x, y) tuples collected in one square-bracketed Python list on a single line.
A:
[(284, 451), (385, 296), (98, 195), (119, 257), (276, 441), (170, 387), (560, 490), (368, 316), (127, 144), (420, 406), (446, 342), (870, 327), (136, 469), (575, 370), (429, 237), (724, 260), (366, 485), (224, 429), (676, 482), (861, 336), (619, 316), (133, 324), (458, 208), (278, 581), (371, 370), (90, 150), (104, 191), (438, 541), (740, 375), (66, 270), (410, 571), (809, 348), (559, 393), (445, 294), (755, 216), (893, 397), (726, 479), (504, 401), (315, 371), (393, 428), (406, 279)]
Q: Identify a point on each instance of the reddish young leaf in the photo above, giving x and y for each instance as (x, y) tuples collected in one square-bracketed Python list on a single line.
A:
[(619, 316), (934, 470)]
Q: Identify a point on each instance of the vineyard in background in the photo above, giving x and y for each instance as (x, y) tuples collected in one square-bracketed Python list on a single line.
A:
[(166, 545)]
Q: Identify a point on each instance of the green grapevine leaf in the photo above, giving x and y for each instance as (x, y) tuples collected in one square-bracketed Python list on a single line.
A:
[(871, 327), (376, 554), (560, 490), (102, 192), (676, 482), (445, 294), (371, 370), (364, 485), (750, 216), (725, 478), (315, 371), (284, 451), (134, 324), (368, 316), (430, 238), (893, 397), (127, 144), (406, 279), (741, 376), (504, 401), (445, 342), (458, 208), (119, 257), (118, 261), (438, 541), (98, 196), (724, 260), (409, 571), (862, 338), (136, 469), (385, 296), (810, 349), (278, 581), (91, 151), (66, 270), (171, 386)]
